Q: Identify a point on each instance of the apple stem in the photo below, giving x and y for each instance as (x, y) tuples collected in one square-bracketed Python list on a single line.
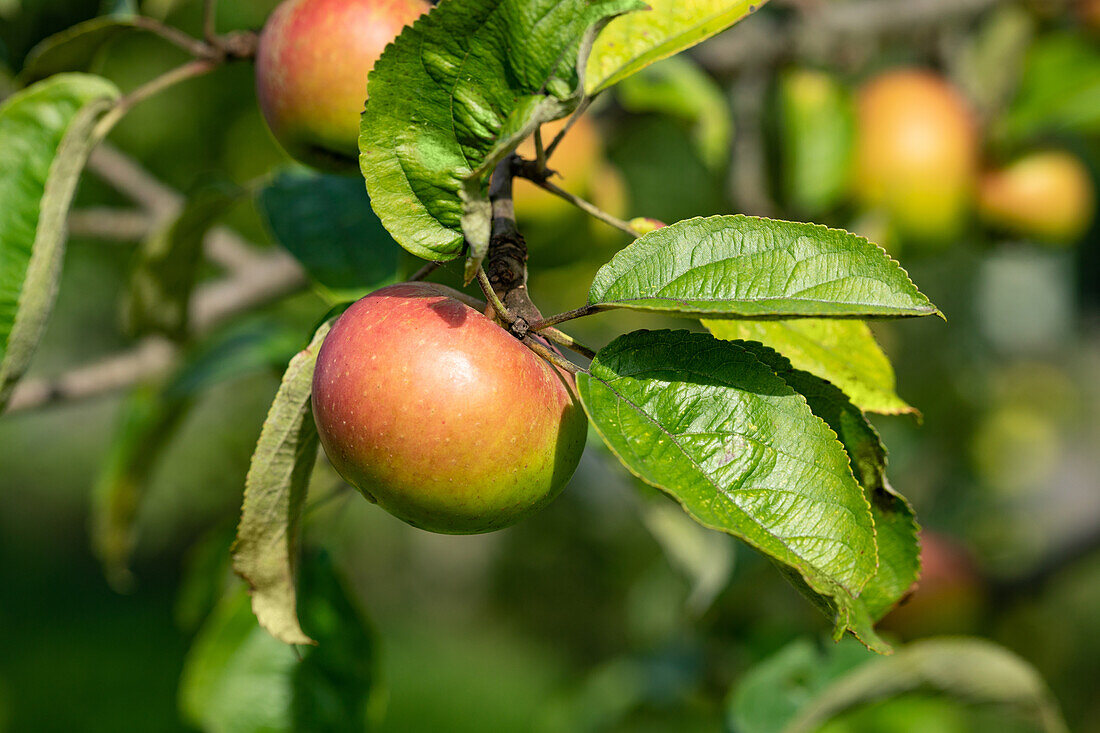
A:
[(540, 180), (490, 295), (540, 151), (189, 70), (175, 36), (563, 339), (581, 312), (424, 271), (581, 108), (209, 22), (558, 361), (506, 263)]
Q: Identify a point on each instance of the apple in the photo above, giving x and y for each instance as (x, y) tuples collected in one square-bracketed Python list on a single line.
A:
[(1048, 196), (950, 596), (916, 154), (311, 71), (442, 417), (577, 160), (645, 224)]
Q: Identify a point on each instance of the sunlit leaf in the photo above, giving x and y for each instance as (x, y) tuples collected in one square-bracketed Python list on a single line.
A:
[(265, 553), (680, 89), (895, 524), (710, 424), (747, 267), (452, 96), (46, 134), (326, 222), (841, 351), (634, 41)]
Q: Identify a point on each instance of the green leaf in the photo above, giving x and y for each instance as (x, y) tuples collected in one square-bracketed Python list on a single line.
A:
[(747, 267), (841, 351), (677, 87), (895, 524), (970, 670), (816, 134), (772, 692), (145, 426), (326, 222), (635, 41), (148, 420), (456, 93), (46, 133), (708, 423), (265, 552), (238, 679), (987, 68), (1059, 91), (75, 48), (167, 264), (704, 557)]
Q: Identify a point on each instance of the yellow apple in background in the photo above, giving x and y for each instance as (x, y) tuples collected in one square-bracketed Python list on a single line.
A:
[(577, 160), (1046, 196), (916, 154)]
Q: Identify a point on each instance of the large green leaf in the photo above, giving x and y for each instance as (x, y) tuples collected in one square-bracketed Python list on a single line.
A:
[(971, 670), (842, 351), (326, 222), (895, 524), (167, 264), (75, 48), (265, 552), (816, 119), (635, 41), (46, 133), (710, 424), (452, 96), (677, 87), (747, 267), (148, 420), (238, 679)]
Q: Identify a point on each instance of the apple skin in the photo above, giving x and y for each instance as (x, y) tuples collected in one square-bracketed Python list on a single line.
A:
[(916, 154), (646, 224), (441, 416), (311, 72), (1048, 196), (950, 596)]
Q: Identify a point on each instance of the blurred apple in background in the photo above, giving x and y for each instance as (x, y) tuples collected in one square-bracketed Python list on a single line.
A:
[(1047, 196), (577, 160), (949, 596), (916, 154)]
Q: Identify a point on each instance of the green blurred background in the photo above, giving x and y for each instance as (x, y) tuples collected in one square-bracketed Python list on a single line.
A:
[(604, 612)]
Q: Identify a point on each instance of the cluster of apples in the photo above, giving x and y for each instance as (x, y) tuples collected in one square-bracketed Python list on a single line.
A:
[(918, 160), (422, 402)]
